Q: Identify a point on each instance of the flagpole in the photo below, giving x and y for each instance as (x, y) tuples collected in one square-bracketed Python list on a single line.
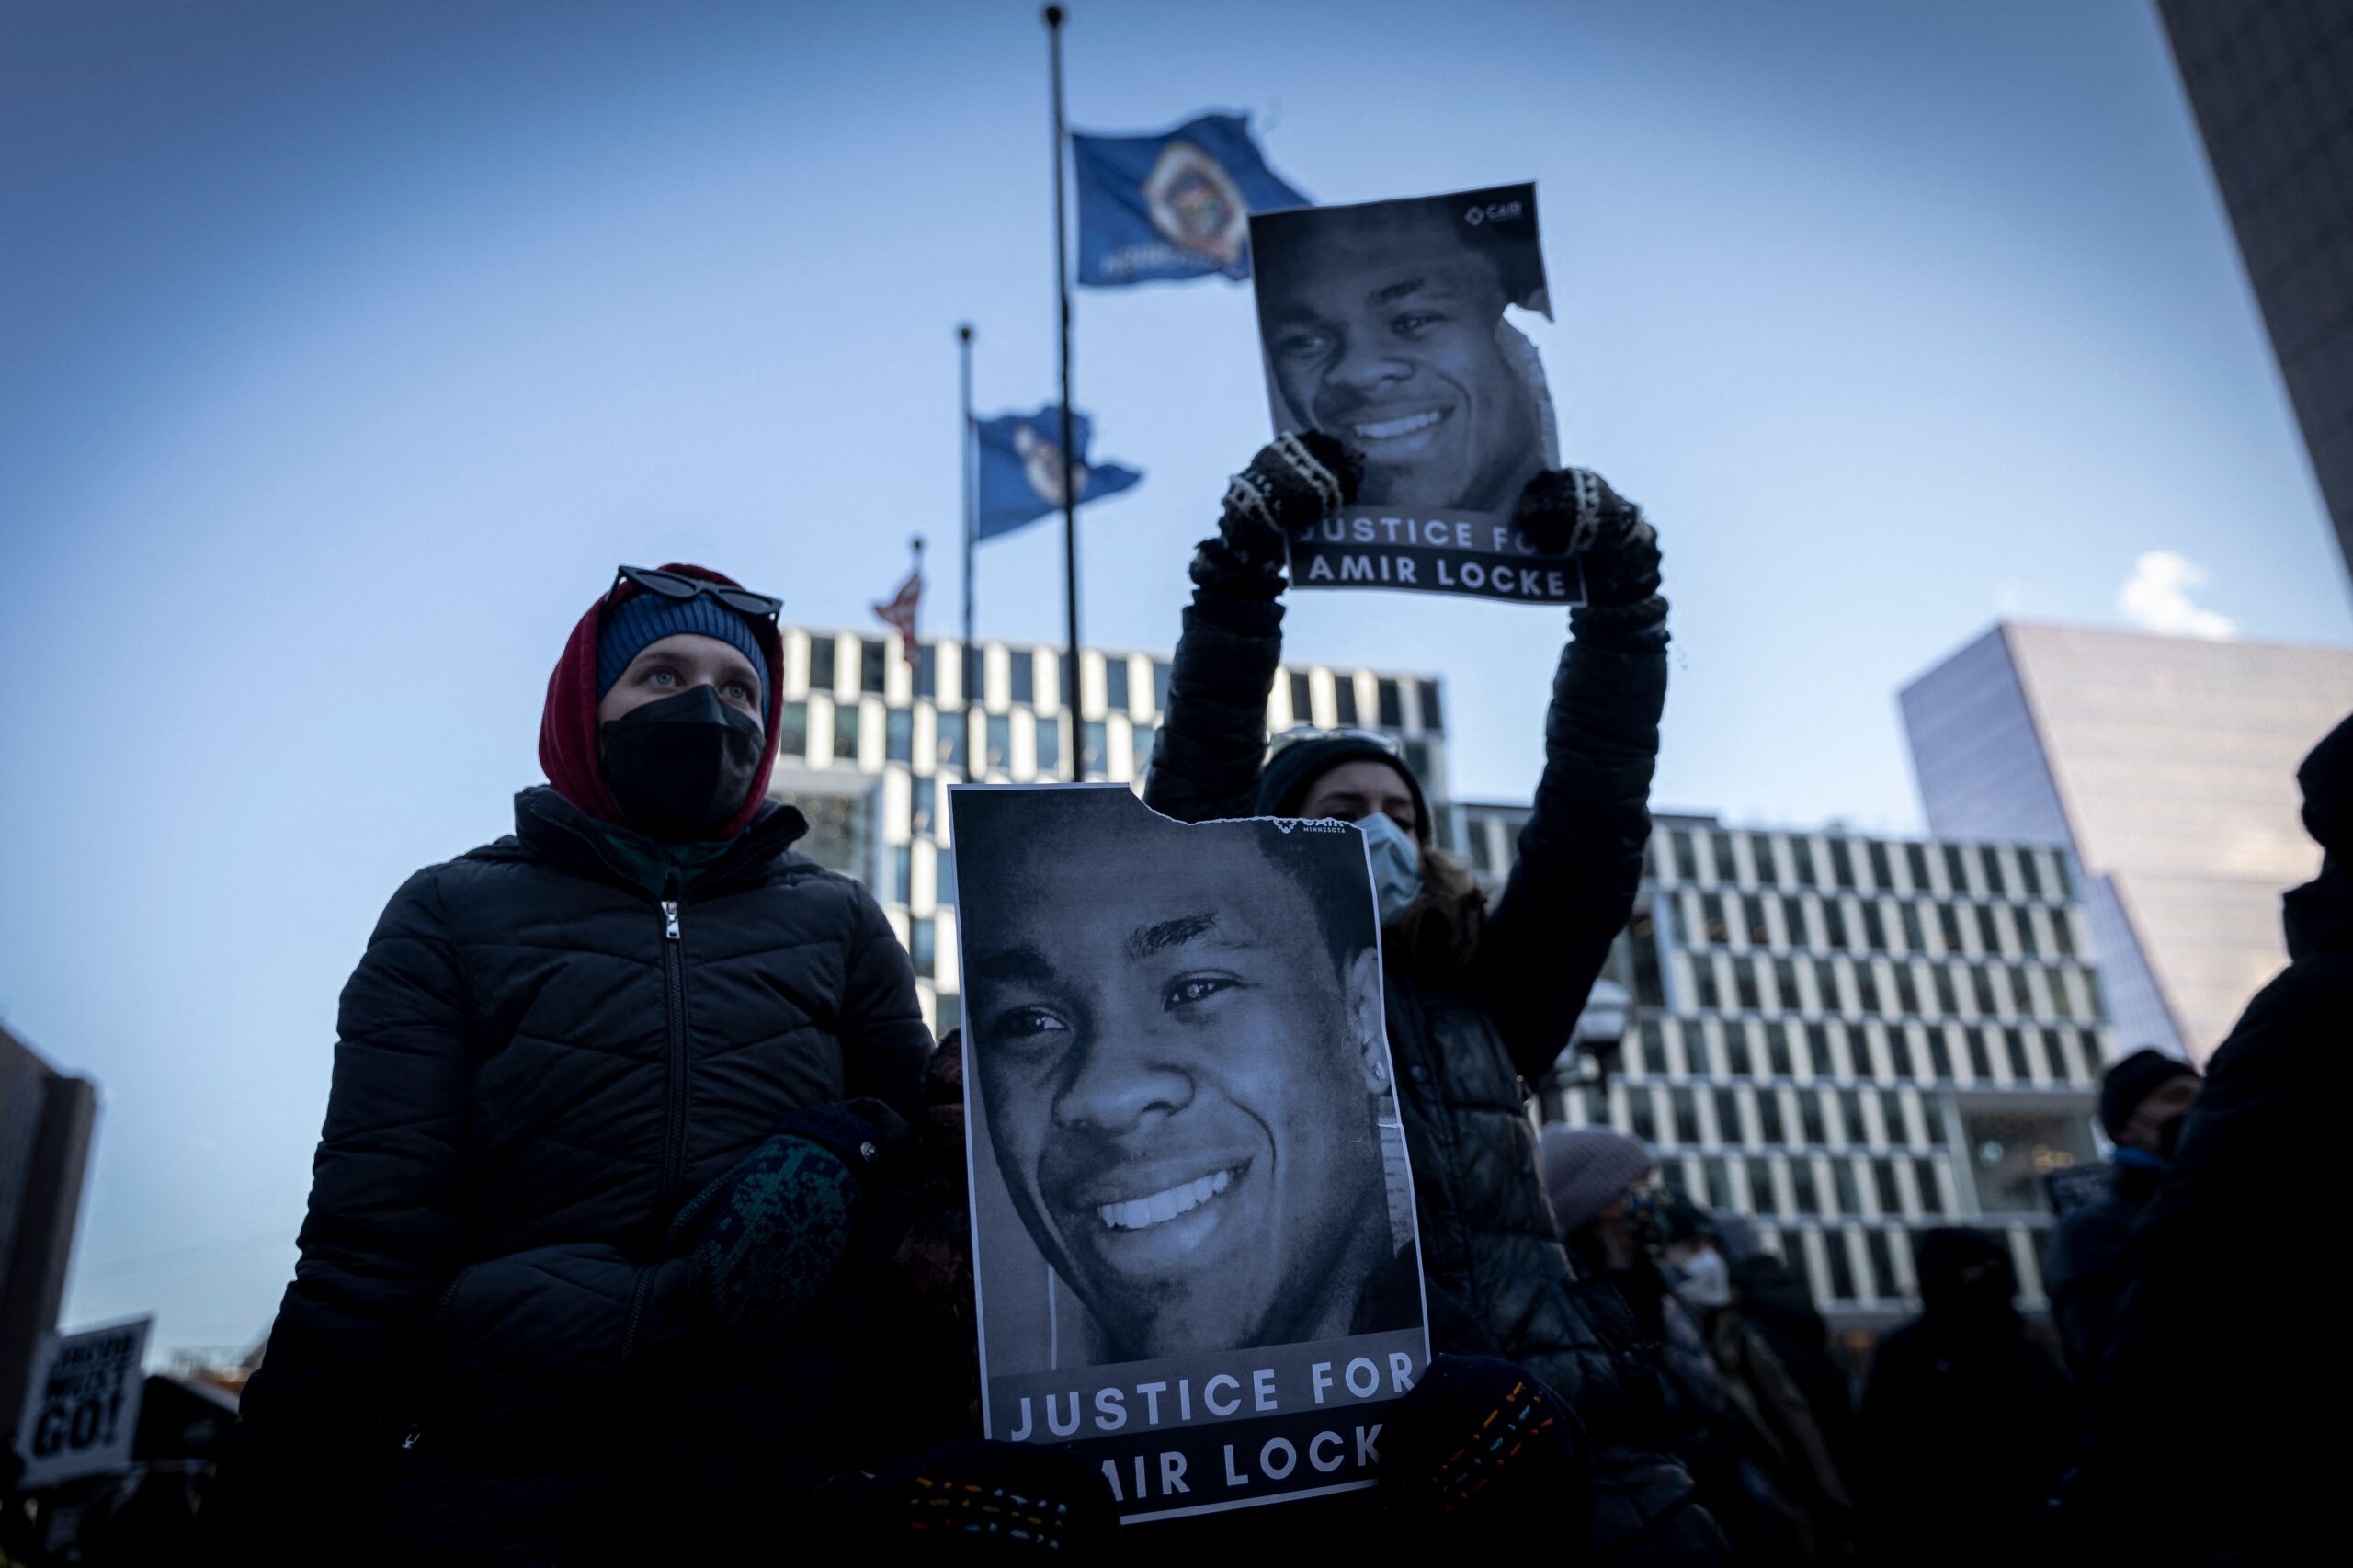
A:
[(1070, 498), (971, 546)]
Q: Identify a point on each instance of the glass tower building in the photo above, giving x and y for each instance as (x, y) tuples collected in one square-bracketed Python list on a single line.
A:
[(1849, 1039), (2165, 768)]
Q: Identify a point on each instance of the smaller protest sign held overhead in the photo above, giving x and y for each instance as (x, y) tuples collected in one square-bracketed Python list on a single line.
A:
[(1386, 325), (1152, 208), (82, 1403)]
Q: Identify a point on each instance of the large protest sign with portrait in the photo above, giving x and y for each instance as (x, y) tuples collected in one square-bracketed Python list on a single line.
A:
[(1387, 324), (1192, 1217)]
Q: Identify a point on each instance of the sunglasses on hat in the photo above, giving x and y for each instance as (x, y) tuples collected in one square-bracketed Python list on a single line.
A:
[(681, 588), (1298, 734)]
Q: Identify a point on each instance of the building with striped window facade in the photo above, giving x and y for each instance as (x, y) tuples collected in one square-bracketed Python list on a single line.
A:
[(1848, 1039), (870, 741)]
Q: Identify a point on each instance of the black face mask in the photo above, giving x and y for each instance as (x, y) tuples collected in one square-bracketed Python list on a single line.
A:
[(682, 766)]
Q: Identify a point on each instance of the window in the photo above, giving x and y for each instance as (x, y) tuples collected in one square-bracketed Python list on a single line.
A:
[(920, 796), (1834, 922), (923, 946), (1946, 1003), (1817, 1050), (1432, 720), (1719, 854), (1642, 940), (1703, 982), (1025, 675), (1810, 1116), (1803, 1197), (1687, 856), (1684, 1105), (1743, 980), (1049, 747), (846, 732), (872, 657), (1728, 1128), (1989, 934), (947, 1014), (1159, 685), (1696, 1047), (820, 663), (1785, 981), (1761, 1198), (1882, 1260), (928, 670), (1641, 1115), (975, 676), (1949, 925), (1115, 684), (1915, 938), (2062, 933), (947, 743), (1737, 1061), (1303, 698), (2067, 878), (1769, 1124), (1939, 1055), (1981, 1063), (1924, 1176), (1890, 1198), (1093, 749), (1891, 1110), (1867, 986), (1850, 1116), (1956, 869), (2030, 872), (2022, 921), (792, 729), (943, 878), (1000, 732), (1826, 984), (899, 735), (1994, 881), (1793, 921), (1343, 700), (1841, 864), (1777, 1051), (1391, 709), (1883, 874), (1801, 861), (1842, 1268), (1140, 739), (1874, 928), (1980, 984), (1916, 860), (1718, 1184), (1711, 918), (1907, 990), (903, 874)]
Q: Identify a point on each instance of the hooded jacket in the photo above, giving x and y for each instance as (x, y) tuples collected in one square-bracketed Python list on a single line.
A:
[(550, 1044), (1499, 1283), (2203, 1341)]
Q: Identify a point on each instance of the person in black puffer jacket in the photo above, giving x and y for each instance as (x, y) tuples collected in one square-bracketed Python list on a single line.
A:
[(1479, 1004), (605, 1187)]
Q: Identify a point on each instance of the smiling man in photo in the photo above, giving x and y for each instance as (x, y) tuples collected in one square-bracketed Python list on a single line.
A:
[(1176, 1032), (1383, 325)]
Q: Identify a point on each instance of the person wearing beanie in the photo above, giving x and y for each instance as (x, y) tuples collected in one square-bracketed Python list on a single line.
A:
[(611, 1144), (2219, 1292), (2143, 1099), (1967, 1419), (1478, 1001)]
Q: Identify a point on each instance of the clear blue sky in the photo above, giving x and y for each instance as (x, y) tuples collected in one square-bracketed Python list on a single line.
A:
[(347, 346)]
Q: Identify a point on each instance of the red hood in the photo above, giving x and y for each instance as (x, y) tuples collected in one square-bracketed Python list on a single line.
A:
[(568, 747)]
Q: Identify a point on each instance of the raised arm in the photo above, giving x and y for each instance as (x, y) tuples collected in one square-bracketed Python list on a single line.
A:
[(1581, 852), (1212, 739)]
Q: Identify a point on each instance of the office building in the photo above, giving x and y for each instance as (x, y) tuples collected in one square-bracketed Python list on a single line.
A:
[(2271, 84), (869, 742), (2165, 768), (1849, 1039), (46, 1117)]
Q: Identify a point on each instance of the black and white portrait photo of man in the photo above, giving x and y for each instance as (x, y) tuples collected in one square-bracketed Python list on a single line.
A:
[(1175, 1037), (1383, 325)]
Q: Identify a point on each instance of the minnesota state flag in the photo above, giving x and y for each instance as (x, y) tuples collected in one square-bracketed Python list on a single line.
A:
[(1021, 469), (1174, 205)]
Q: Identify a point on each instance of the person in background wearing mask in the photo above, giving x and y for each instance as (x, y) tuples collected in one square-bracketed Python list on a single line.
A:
[(1787, 1436), (1478, 1003), (1615, 1222), (615, 1103), (1967, 1418), (2142, 1099)]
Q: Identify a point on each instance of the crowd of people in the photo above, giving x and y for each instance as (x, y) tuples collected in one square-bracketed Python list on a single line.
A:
[(638, 1225)]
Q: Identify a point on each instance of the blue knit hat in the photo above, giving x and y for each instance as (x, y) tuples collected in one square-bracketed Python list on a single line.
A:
[(643, 620)]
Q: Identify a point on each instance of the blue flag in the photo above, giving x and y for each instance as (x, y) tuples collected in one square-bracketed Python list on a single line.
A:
[(1175, 205), (1021, 469)]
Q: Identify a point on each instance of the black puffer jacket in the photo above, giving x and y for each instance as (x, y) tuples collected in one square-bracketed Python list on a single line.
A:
[(537, 1066), (1500, 1283)]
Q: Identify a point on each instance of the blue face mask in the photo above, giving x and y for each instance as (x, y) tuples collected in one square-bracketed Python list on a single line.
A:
[(1396, 864)]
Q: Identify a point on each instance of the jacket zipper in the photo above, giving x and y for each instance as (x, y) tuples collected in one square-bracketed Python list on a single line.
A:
[(674, 989)]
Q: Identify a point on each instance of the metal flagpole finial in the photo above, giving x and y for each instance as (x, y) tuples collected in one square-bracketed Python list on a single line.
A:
[(1053, 15)]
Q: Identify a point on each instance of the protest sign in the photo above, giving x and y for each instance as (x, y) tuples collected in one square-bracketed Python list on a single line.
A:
[(1384, 325), (82, 1403), (1193, 1218)]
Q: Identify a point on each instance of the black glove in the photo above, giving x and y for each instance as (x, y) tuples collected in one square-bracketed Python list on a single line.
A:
[(1572, 511), (1295, 482), (767, 1236), (1480, 1445), (979, 1500)]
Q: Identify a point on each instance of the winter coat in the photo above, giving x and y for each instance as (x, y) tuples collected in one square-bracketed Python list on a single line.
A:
[(2084, 1270), (1465, 1049), (2209, 1337), (545, 1051)]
